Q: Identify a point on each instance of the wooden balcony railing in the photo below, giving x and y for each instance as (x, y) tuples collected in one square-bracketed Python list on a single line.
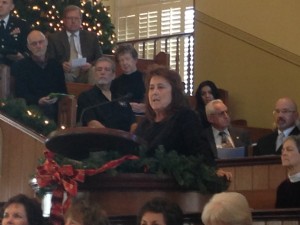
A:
[(180, 47)]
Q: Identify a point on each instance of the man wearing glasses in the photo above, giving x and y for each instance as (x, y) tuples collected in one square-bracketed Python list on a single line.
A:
[(75, 48), (221, 134), (285, 117)]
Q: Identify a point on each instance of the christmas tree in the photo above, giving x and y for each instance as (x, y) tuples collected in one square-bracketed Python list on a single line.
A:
[(46, 15)]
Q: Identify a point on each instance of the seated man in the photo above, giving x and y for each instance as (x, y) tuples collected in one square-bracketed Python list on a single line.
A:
[(36, 77), (132, 80), (285, 116), (220, 134), (100, 107)]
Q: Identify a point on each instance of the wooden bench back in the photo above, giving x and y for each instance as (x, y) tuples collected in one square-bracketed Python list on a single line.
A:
[(68, 106)]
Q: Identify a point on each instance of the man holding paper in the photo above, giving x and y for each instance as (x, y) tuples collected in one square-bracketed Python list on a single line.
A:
[(36, 77), (76, 49)]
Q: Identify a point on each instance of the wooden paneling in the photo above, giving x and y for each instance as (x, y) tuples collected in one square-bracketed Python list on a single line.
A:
[(21, 149), (257, 178)]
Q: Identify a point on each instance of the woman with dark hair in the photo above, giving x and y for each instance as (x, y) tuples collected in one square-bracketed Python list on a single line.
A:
[(169, 120), (160, 211), (206, 92), (22, 210)]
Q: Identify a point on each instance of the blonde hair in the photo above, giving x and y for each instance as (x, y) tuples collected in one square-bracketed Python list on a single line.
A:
[(229, 208)]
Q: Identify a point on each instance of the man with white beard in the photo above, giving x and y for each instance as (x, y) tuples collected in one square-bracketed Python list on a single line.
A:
[(99, 107)]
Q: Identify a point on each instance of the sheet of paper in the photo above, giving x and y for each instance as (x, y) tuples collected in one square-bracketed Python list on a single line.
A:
[(78, 62)]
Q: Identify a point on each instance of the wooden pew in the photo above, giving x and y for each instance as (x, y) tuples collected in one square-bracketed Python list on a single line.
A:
[(68, 106), (257, 178)]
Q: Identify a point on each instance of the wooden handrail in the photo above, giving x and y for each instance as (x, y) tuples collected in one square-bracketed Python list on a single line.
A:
[(156, 38), (253, 161), (39, 137)]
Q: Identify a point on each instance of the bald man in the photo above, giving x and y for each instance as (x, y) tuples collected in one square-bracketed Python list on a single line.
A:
[(36, 76), (285, 117)]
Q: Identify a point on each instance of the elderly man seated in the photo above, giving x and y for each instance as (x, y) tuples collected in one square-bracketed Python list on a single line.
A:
[(101, 107), (220, 134), (36, 76)]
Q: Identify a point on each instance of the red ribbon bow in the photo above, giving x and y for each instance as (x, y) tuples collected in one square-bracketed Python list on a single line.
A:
[(64, 179)]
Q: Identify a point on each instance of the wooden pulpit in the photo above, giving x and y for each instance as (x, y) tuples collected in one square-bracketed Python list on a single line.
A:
[(123, 194)]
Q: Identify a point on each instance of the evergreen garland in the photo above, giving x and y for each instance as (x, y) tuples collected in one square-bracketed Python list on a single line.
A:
[(29, 116), (189, 172)]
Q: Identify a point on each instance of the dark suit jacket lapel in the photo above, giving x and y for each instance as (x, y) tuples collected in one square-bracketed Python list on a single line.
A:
[(211, 139), (65, 42), (236, 138), (83, 43)]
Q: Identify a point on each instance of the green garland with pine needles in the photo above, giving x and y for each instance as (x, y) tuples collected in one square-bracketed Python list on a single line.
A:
[(189, 172), (29, 116)]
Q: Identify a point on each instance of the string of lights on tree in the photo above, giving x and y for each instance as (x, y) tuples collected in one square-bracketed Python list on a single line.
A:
[(46, 15)]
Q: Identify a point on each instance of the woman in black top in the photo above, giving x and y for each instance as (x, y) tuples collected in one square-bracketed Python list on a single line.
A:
[(288, 192), (169, 121)]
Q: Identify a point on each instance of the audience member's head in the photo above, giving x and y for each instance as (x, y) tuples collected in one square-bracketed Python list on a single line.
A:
[(72, 17), (160, 211), (22, 210), (6, 7), (206, 92), (285, 113), (104, 71), (84, 212), (290, 154), (37, 43), (126, 57), (227, 208), (164, 92), (217, 114)]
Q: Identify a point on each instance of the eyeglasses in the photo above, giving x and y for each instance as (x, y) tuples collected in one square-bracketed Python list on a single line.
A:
[(284, 111), (73, 18), (35, 43), (222, 113)]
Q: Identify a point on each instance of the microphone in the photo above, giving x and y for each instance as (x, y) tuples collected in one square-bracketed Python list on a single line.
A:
[(123, 98)]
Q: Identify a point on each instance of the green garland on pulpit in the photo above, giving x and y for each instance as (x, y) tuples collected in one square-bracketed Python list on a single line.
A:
[(189, 172), (29, 116)]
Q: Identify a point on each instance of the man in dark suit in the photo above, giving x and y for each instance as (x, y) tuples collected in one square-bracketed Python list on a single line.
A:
[(13, 34), (220, 134), (73, 43), (285, 117)]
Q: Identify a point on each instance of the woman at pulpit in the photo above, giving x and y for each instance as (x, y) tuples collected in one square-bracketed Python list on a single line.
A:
[(169, 121)]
